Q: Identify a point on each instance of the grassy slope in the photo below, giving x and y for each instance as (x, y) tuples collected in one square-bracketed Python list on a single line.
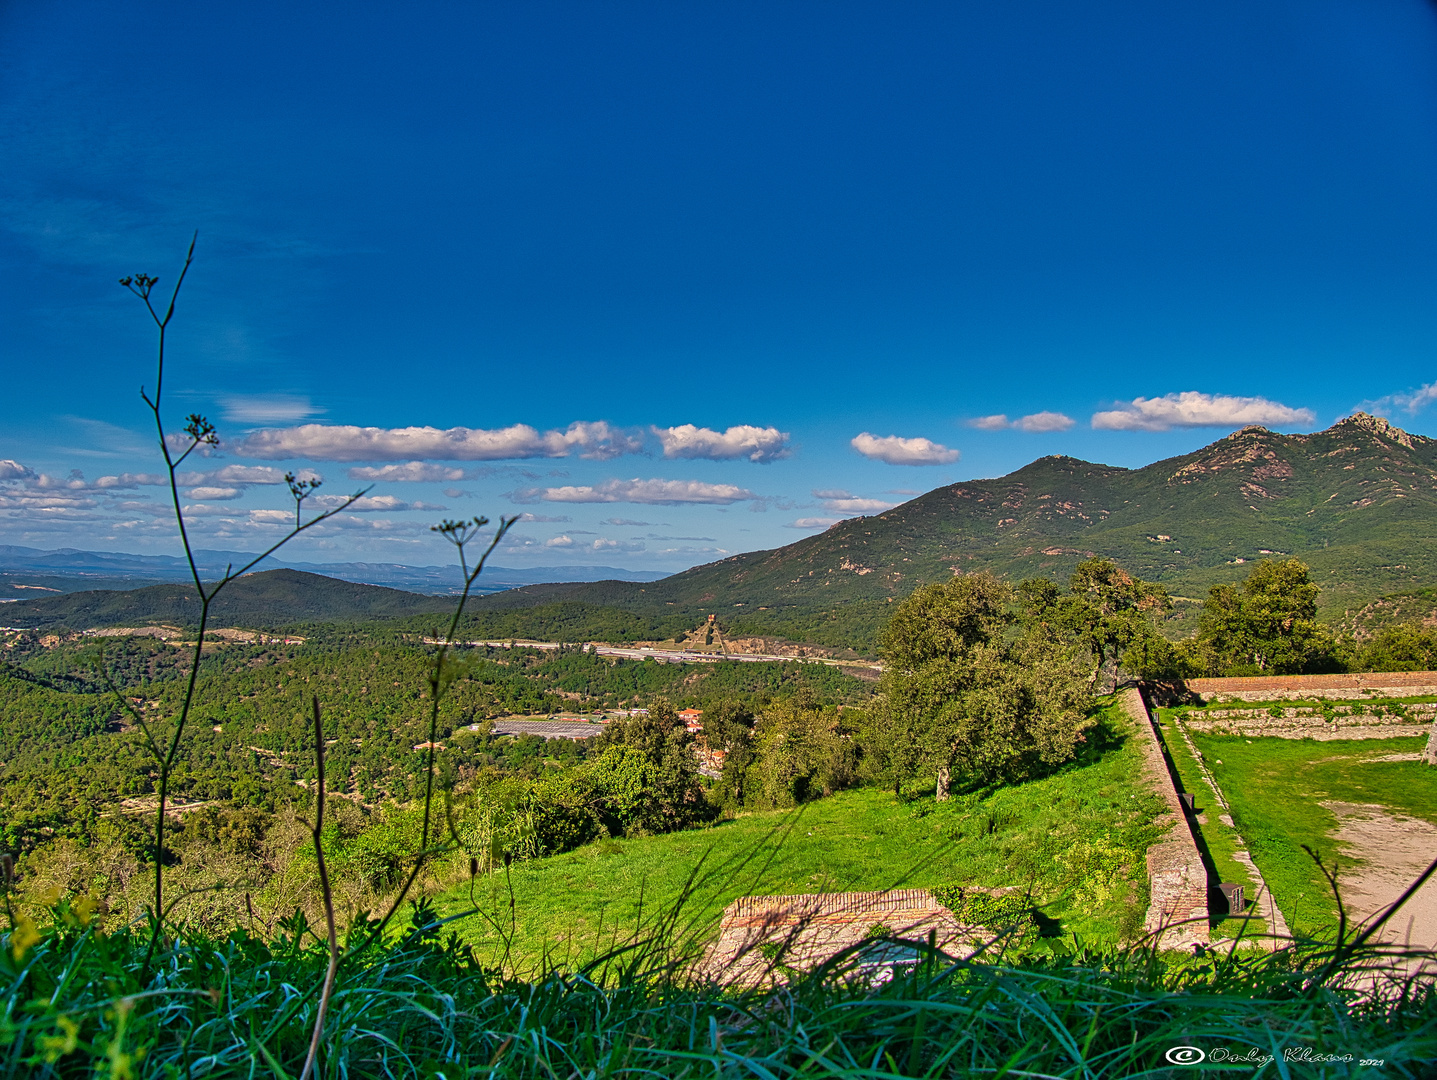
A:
[(1093, 818), (1276, 788)]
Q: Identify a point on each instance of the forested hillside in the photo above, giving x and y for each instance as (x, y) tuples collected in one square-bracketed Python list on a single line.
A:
[(273, 598)]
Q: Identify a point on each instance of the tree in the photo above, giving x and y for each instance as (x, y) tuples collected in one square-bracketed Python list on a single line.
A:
[(647, 774), (962, 695), (1267, 625)]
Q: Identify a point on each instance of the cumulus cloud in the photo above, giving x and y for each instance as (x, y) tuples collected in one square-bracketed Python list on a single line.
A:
[(1044, 421), (653, 492), (840, 501), (895, 450), (267, 408), (414, 472), (605, 544), (214, 494), (813, 523), (568, 543), (996, 422), (1412, 402), (741, 441), (1033, 422), (368, 503), (13, 470), (857, 506), (237, 474), (343, 442), (1194, 409)]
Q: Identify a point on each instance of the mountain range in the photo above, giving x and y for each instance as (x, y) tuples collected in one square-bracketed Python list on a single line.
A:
[(1357, 502), (24, 570)]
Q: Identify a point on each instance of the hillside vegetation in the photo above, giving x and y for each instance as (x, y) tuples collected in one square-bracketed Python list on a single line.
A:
[(270, 599)]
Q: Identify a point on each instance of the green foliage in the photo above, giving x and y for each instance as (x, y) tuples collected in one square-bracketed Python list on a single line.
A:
[(799, 752), (1009, 913), (1267, 626), (1405, 647), (962, 695)]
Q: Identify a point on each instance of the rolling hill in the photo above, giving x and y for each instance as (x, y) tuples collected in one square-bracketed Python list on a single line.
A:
[(1357, 502), (273, 598)]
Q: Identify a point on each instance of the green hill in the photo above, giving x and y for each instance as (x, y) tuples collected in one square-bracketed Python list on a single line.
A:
[(1357, 502), (271, 598)]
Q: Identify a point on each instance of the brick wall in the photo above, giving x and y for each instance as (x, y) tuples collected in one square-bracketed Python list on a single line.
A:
[(1355, 685), (1177, 880)]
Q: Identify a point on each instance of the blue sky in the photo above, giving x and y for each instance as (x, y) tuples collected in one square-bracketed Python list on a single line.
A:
[(682, 280)]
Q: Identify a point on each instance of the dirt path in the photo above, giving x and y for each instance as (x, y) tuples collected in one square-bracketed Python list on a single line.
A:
[(1395, 849)]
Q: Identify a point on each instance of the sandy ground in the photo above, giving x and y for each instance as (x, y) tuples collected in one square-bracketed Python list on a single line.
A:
[(1395, 850)]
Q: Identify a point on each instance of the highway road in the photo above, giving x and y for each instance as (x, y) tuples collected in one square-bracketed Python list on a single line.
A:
[(668, 656)]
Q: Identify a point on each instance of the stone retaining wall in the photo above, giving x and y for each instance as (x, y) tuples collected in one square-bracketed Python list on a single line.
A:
[(1177, 880), (1352, 686)]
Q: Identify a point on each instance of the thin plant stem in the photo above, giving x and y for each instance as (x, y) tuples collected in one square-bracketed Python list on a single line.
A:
[(201, 434), (324, 891)]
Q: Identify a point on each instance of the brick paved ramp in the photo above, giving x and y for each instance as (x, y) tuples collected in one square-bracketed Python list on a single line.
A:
[(813, 927)]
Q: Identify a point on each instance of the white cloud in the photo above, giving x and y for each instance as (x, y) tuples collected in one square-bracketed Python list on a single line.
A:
[(653, 492), (895, 450), (13, 470), (45, 502), (367, 503), (857, 506), (342, 442), (845, 502), (1033, 422), (236, 474), (630, 522), (996, 422), (267, 408), (1044, 421), (743, 440), (605, 544), (557, 518), (214, 494), (559, 542), (1413, 402), (1194, 409), (416, 472), (813, 523)]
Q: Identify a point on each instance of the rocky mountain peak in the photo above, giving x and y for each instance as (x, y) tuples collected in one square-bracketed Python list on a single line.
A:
[(1376, 425)]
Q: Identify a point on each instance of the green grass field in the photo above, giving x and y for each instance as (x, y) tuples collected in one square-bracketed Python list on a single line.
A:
[(1220, 842), (1276, 788), (1076, 839)]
